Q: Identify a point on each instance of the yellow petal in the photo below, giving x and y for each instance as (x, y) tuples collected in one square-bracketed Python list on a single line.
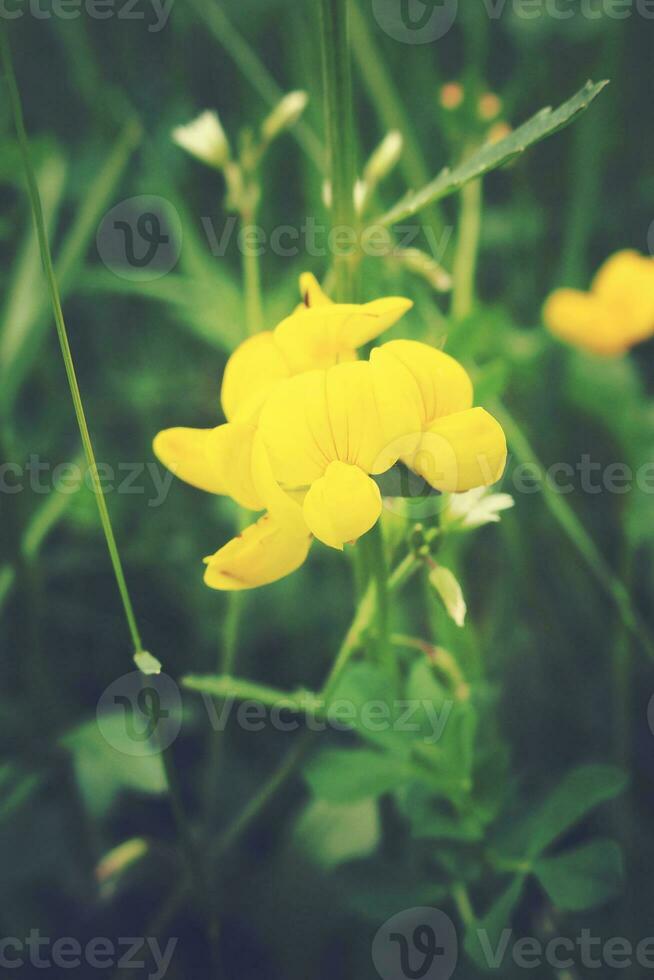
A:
[(296, 430), (263, 553), (461, 451), (314, 338), (376, 317), (252, 371), (186, 453), (443, 384), (286, 508), (230, 450), (342, 505), (626, 283), (311, 291), (584, 320)]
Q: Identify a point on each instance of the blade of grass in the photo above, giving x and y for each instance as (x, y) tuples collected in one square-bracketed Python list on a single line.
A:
[(574, 530)]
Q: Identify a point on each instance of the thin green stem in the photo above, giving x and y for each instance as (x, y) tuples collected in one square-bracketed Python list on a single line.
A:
[(251, 275), (467, 250), (339, 119), (39, 222), (291, 762), (464, 905)]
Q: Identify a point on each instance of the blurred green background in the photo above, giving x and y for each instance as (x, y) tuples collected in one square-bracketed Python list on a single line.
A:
[(558, 679)]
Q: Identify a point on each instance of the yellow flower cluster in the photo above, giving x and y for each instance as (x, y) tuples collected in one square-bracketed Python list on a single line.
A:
[(308, 425), (615, 314)]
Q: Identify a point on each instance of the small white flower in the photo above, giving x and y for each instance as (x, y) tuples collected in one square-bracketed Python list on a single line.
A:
[(205, 139)]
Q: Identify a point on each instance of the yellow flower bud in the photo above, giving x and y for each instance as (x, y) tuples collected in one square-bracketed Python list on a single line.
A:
[(205, 139)]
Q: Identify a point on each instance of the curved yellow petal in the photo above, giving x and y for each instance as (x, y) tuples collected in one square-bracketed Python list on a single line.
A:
[(312, 292), (230, 449), (342, 505), (374, 318), (461, 451), (584, 320), (285, 507), (252, 371), (443, 384), (186, 453), (626, 283), (263, 553)]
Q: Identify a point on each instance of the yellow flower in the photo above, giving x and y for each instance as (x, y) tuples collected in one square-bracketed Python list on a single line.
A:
[(219, 460), (309, 426), (615, 314)]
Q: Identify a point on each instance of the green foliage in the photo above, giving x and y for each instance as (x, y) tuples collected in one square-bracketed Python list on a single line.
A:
[(582, 878)]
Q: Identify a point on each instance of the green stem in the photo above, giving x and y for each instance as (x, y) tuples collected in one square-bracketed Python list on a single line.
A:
[(467, 250), (575, 532), (337, 80), (44, 247), (251, 275)]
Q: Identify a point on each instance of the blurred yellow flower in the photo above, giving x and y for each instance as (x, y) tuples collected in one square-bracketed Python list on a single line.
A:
[(309, 425), (615, 314)]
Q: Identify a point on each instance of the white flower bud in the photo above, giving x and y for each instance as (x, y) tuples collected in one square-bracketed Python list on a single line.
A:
[(384, 158), (205, 139), (285, 114), (422, 264)]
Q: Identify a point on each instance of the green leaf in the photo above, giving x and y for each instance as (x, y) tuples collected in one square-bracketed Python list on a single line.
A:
[(583, 878), (448, 588), (146, 663), (342, 776), (332, 833), (579, 792), (487, 939), (105, 765), (493, 155)]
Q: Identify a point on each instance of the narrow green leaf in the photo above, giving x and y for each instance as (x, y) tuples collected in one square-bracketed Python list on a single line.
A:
[(577, 795), (233, 688), (487, 939), (583, 878), (494, 155)]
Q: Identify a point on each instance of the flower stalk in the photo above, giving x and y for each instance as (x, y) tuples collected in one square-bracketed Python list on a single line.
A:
[(339, 124)]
